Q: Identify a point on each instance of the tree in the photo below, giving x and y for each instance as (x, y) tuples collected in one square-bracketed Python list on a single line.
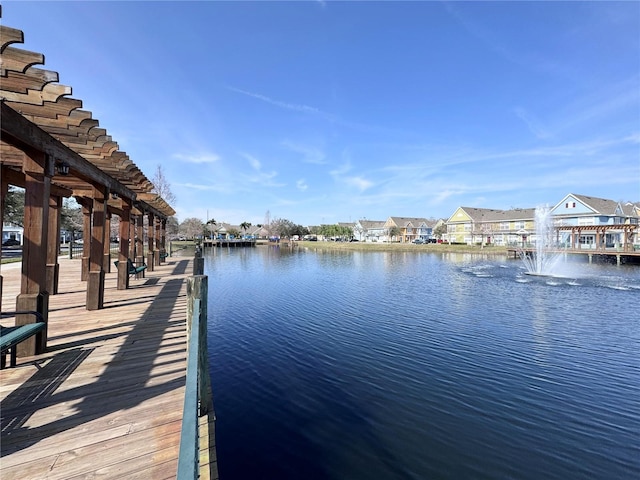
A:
[(192, 227), (71, 215), (209, 226), (282, 227), (440, 230), (393, 232), (162, 187), (172, 227), (245, 226), (14, 206)]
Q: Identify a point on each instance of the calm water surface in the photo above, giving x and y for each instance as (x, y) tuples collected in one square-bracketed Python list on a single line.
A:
[(361, 365)]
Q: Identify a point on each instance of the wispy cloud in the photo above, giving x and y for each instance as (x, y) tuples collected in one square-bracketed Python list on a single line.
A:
[(309, 110), (533, 123), (302, 185), (260, 177), (253, 161), (309, 154), (196, 186), (287, 106), (358, 182), (197, 158)]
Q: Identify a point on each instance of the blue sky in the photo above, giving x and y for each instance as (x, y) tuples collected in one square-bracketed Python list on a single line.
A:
[(321, 112)]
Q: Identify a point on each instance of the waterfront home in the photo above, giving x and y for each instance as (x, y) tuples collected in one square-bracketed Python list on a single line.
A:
[(369, 230), (410, 228), (580, 221), (471, 225), (589, 222)]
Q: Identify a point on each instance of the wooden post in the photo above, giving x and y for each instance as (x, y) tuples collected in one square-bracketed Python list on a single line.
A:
[(158, 244), (38, 170), (95, 285), (163, 236), (53, 245), (86, 238), (124, 232), (151, 243), (106, 260), (197, 287), (4, 190), (140, 240), (133, 237), (198, 262)]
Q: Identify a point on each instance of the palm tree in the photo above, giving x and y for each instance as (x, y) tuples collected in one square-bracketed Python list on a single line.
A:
[(245, 226), (211, 222)]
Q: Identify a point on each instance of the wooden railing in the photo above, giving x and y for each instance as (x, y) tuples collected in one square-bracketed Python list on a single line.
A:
[(197, 398)]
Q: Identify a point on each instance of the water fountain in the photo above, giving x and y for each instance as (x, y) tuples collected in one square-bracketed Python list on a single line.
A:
[(541, 260)]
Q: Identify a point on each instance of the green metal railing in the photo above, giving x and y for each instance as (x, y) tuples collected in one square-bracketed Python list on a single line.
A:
[(197, 398)]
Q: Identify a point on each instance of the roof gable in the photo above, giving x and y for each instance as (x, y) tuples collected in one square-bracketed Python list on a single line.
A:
[(573, 204), (459, 216)]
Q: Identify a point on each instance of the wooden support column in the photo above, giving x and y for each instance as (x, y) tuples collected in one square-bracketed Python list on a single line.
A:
[(158, 246), (106, 261), (53, 245), (140, 239), (124, 232), (163, 236), (87, 209), (132, 236), (4, 190), (151, 243), (95, 283), (38, 170)]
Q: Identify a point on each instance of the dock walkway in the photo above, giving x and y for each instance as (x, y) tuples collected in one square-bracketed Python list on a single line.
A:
[(106, 400)]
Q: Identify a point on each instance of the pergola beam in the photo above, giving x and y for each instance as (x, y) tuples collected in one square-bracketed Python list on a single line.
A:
[(25, 135)]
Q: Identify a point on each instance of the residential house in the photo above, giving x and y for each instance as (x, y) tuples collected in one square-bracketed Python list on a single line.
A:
[(12, 232), (580, 221), (471, 225), (589, 222), (369, 230), (410, 228)]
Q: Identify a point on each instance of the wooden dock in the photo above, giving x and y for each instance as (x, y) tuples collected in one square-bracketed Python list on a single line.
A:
[(106, 399), (592, 255)]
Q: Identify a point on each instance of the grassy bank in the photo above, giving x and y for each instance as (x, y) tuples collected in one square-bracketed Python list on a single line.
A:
[(405, 247)]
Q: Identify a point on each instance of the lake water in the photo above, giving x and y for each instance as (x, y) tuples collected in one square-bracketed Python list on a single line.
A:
[(361, 365)]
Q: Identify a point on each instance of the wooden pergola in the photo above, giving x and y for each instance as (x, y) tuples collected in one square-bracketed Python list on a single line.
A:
[(53, 149), (600, 231)]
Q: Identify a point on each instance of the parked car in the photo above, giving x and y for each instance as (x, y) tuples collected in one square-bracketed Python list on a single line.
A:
[(10, 242), (418, 241)]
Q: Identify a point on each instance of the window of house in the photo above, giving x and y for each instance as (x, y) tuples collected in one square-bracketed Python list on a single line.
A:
[(504, 226)]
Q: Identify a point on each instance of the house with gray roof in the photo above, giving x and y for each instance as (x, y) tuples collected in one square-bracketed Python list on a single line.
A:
[(591, 222), (471, 225), (369, 231), (581, 221), (410, 228)]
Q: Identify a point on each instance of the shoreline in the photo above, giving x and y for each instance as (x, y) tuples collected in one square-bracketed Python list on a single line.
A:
[(404, 247)]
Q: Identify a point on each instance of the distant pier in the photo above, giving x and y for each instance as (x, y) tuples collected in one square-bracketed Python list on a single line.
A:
[(231, 243)]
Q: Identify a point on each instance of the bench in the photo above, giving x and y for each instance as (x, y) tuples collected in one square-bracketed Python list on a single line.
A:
[(131, 268), (163, 256), (10, 337)]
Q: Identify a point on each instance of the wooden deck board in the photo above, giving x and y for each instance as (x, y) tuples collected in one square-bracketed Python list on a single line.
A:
[(106, 399)]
